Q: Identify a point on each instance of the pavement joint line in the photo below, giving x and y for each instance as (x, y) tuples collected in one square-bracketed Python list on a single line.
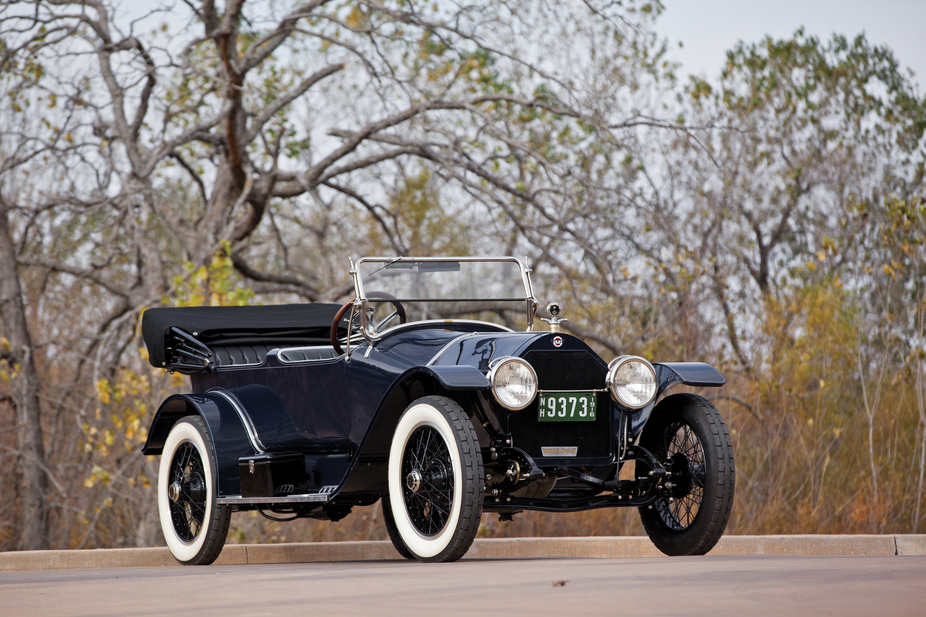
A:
[(484, 548)]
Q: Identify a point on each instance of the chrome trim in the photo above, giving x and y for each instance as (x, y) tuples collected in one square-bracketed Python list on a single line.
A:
[(413, 480), (573, 391), (559, 451), (613, 367), (285, 361), (448, 345), (493, 369), (238, 499), (244, 417), (532, 303), (437, 322), (173, 491)]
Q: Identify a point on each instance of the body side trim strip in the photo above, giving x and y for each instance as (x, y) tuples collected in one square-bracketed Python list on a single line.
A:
[(448, 345), (243, 416)]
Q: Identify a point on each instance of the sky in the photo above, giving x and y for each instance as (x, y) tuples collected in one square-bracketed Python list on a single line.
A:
[(708, 28)]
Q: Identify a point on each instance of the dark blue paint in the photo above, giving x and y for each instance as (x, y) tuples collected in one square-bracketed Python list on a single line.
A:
[(689, 373), (670, 373), (338, 405), (459, 377), (229, 438)]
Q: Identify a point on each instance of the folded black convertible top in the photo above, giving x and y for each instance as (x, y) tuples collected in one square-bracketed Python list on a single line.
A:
[(219, 326)]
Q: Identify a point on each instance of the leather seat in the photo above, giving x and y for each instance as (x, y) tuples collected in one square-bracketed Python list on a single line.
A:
[(241, 355)]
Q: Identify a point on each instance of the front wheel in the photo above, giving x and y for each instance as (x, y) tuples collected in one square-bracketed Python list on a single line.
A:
[(194, 525), (435, 481), (691, 514), (393, 530)]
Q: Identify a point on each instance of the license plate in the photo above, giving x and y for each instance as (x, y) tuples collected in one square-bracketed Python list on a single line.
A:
[(567, 407)]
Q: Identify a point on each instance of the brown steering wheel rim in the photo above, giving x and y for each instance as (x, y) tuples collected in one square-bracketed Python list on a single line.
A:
[(379, 295)]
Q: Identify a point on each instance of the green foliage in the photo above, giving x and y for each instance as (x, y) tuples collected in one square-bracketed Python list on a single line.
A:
[(217, 284)]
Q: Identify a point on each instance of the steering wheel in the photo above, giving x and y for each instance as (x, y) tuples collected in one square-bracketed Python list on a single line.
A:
[(381, 295)]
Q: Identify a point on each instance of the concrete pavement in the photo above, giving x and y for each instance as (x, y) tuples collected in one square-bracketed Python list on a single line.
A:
[(709, 586), (505, 548)]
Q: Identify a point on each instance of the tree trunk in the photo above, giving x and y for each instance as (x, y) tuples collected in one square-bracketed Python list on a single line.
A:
[(25, 393)]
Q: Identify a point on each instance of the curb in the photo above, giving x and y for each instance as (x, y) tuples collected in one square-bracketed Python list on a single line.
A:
[(503, 548)]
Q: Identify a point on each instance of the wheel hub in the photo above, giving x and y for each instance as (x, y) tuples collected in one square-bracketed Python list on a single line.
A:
[(681, 475), (413, 480), (192, 491), (437, 475)]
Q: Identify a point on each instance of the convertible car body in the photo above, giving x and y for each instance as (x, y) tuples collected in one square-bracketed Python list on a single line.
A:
[(309, 410)]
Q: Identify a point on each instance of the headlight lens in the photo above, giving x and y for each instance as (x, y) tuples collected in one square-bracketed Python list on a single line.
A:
[(514, 382), (632, 382)]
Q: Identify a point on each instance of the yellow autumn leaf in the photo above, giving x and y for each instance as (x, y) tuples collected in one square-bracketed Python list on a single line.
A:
[(103, 390)]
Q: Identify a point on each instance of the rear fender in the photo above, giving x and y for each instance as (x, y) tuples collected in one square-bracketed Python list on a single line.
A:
[(668, 374), (230, 439)]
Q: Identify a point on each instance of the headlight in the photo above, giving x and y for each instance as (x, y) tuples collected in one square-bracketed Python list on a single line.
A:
[(514, 382), (632, 381)]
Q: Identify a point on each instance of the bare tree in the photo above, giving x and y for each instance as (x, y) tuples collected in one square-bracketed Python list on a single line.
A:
[(275, 135)]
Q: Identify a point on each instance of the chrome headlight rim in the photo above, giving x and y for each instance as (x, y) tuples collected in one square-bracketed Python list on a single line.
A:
[(614, 366), (495, 365)]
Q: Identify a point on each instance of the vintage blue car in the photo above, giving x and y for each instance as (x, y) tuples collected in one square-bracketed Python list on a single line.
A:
[(307, 410)]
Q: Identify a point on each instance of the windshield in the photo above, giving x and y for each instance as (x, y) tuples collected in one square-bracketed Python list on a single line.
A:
[(446, 287), (444, 280)]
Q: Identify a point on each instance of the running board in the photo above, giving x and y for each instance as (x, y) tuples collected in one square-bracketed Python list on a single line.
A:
[(239, 500)]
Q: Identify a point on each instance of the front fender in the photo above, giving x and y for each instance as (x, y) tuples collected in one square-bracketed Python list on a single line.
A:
[(460, 377), (229, 437), (668, 374), (688, 373)]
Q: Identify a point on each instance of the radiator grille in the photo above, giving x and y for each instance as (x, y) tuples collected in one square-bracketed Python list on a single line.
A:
[(565, 370)]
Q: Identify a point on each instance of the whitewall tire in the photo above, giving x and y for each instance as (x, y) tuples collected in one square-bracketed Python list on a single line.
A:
[(435, 480), (194, 526)]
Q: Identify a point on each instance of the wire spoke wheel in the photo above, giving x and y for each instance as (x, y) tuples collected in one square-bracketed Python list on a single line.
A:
[(693, 505), (435, 481), (189, 511), (428, 489), (194, 525), (681, 445)]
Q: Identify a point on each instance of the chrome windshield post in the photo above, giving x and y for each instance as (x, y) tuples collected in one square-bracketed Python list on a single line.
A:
[(369, 332), (360, 306), (532, 303)]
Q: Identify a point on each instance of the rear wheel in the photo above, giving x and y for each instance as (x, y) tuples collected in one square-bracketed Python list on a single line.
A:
[(393, 531), (194, 525), (689, 517), (435, 481)]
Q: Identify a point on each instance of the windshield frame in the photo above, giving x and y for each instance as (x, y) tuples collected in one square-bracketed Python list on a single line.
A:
[(361, 300)]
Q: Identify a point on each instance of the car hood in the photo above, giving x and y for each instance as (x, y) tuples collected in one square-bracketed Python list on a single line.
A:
[(471, 347)]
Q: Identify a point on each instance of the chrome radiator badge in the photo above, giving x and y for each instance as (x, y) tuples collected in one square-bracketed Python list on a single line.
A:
[(559, 450)]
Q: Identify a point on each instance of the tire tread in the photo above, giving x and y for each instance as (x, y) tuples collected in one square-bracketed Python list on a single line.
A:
[(472, 480), (700, 537), (217, 529)]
